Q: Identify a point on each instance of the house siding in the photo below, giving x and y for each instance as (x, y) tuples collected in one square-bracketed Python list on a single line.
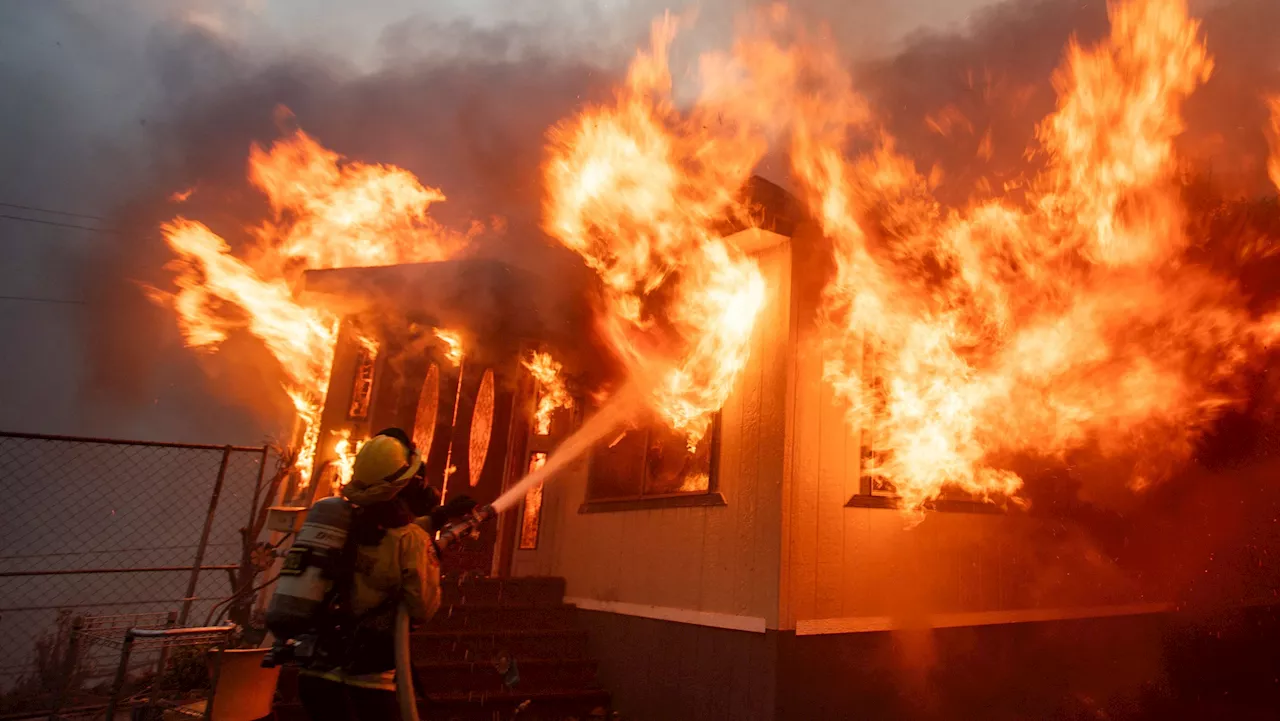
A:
[(718, 559), (867, 569)]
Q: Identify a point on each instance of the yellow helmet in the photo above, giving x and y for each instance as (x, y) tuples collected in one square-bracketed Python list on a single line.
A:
[(382, 468)]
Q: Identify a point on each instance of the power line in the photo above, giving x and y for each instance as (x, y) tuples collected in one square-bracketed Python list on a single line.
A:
[(56, 224), (51, 211), (31, 299)]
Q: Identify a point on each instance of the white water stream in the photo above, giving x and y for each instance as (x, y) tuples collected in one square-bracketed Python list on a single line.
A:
[(608, 418)]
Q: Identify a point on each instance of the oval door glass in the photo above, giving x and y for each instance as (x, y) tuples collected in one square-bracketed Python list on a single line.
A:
[(481, 427), (424, 421)]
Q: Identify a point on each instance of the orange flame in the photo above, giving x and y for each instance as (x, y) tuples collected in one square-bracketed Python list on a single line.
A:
[(329, 212), (181, 196), (1038, 325), (553, 393), (638, 191), (454, 341), (345, 451)]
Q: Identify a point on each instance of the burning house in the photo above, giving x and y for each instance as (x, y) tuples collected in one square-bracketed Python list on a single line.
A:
[(779, 447)]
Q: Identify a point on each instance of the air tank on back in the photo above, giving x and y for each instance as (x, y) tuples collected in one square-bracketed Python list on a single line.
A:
[(307, 573)]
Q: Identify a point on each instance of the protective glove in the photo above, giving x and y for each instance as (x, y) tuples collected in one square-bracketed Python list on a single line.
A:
[(455, 508)]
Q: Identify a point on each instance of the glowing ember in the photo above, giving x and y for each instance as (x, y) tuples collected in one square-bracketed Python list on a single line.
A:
[(552, 394), (1274, 165), (1038, 325), (328, 213), (181, 196), (637, 190), (454, 341)]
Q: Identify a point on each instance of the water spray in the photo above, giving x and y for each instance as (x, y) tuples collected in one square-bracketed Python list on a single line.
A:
[(609, 417)]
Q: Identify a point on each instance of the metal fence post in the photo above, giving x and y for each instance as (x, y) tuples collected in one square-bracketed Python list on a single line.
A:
[(68, 666), (122, 672), (204, 538)]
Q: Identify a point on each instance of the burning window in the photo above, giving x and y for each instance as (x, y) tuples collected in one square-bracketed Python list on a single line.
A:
[(652, 461), (531, 521), (874, 487), (481, 427), (551, 394), (362, 388)]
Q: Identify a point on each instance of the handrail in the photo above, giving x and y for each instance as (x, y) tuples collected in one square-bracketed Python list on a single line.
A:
[(126, 442), (90, 571), (180, 631)]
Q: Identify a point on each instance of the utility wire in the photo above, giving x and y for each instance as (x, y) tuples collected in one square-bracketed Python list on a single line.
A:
[(18, 206), (55, 223), (30, 299)]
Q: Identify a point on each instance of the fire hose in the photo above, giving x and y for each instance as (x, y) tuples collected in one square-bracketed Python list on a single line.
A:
[(467, 527)]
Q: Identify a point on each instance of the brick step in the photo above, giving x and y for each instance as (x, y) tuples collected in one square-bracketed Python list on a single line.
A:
[(568, 644), (530, 591), (555, 705), (483, 676), (467, 617)]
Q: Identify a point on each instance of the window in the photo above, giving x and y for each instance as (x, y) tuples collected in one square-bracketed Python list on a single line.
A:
[(481, 427), (650, 466), (876, 491), (531, 520), (362, 387), (425, 417)]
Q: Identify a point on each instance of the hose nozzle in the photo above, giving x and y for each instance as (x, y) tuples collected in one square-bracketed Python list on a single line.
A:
[(467, 527)]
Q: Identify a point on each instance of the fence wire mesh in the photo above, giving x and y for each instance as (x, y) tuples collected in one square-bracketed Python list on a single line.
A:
[(102, 527)]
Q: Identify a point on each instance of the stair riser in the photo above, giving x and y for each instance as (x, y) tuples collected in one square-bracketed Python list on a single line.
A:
[(468, 618), (478, 710), (484, 648), (509, 592), (487, 678)]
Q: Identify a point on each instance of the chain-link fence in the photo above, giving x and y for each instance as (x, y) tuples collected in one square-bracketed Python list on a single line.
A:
[(100, 527)]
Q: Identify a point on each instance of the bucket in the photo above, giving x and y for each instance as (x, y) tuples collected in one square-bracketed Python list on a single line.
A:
[(245, 689)]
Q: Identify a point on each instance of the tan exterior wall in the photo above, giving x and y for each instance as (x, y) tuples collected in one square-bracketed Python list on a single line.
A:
[(861, 569), (719, 561)]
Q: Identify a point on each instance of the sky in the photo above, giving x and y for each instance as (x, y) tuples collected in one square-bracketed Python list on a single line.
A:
[(87, 83)]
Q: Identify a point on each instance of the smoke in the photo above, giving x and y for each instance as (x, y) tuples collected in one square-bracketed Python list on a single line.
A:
[(468, 125), (968, 104)]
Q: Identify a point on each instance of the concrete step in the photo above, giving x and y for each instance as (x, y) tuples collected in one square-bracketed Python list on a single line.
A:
[(532, 591), (466, 645), (559, 705), (467, 617), (484, 677)]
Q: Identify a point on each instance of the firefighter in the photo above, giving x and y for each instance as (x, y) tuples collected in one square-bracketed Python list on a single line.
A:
[(388, 559)]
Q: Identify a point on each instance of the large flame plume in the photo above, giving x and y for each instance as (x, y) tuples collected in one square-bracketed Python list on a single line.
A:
[(327, 213), (638, 189), (1062, 317)]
